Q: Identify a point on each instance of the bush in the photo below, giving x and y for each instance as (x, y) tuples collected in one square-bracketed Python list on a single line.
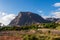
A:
[(35, 37), (56, 39), (50, 25)]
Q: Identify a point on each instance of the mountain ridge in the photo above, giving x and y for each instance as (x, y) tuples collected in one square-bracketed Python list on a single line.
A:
[(27, 18)]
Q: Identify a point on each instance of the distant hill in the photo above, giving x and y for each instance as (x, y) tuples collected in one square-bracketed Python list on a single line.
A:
[(27, 18), (52, 19)]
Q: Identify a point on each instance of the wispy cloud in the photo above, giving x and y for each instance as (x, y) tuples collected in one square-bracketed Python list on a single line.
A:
[(40, 11), (56, 13), (6, 18), (57, 4)]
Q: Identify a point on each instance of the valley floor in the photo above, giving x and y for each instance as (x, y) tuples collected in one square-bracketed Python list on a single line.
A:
[(40, 34)]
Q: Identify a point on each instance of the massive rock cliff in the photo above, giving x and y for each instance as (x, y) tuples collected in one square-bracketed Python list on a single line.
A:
[(27, 18)]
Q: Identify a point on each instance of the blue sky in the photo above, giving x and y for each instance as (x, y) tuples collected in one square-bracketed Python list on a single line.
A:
[(15, 6), (45, 8)]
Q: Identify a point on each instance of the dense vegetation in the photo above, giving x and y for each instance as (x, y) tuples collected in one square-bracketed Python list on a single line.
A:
[(50, 25), (33, 26)]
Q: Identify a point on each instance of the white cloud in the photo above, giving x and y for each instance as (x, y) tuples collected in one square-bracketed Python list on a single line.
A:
[(57, 5), (53, 14), (46, 16), (56, 14), (6, 18)]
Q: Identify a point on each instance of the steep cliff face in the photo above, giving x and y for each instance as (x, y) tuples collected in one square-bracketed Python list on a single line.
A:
[(27, 18)]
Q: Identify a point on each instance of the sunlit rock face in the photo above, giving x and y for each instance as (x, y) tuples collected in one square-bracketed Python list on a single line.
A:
[(27, 18)]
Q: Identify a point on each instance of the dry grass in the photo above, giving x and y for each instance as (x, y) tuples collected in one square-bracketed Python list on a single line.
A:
[(19, 35)]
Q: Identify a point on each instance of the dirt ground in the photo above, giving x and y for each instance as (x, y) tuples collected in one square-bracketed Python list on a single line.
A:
[(10, 38)]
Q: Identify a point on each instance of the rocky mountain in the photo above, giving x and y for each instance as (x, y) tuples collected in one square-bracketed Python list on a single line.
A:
[(58, 21), (53, 19), (27, 18), (1, 24)]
